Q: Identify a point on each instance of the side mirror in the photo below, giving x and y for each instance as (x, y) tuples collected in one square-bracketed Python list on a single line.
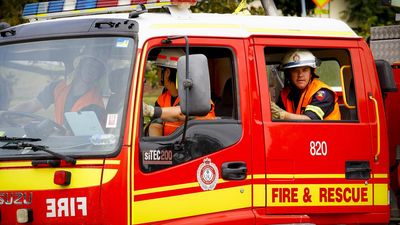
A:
[(199, 94), (385, 74)]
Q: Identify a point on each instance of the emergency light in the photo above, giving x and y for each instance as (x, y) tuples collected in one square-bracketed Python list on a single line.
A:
[(68, 8)]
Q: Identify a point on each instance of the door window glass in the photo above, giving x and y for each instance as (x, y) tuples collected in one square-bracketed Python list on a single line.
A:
[(316, 83), (162, 135)]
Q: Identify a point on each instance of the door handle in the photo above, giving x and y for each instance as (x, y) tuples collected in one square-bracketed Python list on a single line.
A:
[(378, 128), (234, 170), (358, 170)]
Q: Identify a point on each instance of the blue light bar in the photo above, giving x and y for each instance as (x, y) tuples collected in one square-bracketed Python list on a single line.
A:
[(30, 9), (86, 4), (56, 6), (69, 8)]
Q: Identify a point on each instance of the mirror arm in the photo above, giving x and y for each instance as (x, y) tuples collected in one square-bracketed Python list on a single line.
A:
[(188, 82)]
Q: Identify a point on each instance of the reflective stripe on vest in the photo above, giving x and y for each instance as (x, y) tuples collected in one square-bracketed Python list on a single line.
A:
[(306, 98), (61, 92)]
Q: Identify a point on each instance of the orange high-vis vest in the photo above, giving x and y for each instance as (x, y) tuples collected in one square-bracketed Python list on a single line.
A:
[(306, 98), (92, 97), (164, 100)]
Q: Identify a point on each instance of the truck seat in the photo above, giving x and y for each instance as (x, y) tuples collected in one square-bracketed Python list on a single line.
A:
[(224, 108), (347, 113), (116, 78)]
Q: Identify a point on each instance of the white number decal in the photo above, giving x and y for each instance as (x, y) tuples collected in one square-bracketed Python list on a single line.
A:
[(318, 148)]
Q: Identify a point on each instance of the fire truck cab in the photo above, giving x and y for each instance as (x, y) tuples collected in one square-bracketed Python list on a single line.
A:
[(76, 146)]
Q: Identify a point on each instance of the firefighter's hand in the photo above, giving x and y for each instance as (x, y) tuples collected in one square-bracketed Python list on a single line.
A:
[(148, 110), (172, 114), (277, 112)]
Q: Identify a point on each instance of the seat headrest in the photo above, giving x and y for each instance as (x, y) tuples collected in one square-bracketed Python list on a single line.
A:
[(116, 78)]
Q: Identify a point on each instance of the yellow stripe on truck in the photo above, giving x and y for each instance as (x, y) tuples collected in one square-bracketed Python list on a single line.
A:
[(195, 26), (305, 176), (381, 194), (80, 162), (260, 30), (259, 195), (311, 176), (256, 30), (383, 175), (42, 178), (173, 207)]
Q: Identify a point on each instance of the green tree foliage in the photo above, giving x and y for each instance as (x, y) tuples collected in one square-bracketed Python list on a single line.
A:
[(368, 13), (215, 6), (293, 7), (223, 6), (11, 10)]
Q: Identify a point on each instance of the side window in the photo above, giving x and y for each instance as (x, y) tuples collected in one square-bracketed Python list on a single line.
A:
[(164, 126), (325, 71), (316, 83)]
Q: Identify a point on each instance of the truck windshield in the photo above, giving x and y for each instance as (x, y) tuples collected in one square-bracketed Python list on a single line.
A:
[(69, 93)]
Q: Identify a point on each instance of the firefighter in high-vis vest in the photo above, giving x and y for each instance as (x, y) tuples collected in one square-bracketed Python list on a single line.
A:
[(167, 104), (304, 96), (81, 94)]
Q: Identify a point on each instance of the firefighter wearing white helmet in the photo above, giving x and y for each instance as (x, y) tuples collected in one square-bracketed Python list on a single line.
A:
[(168, 101), (304, 96), (168, 57), (167, 62), (298, 58)]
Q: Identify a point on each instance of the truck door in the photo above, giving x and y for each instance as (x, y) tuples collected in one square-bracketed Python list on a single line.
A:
[(208, 179), (318, 166)]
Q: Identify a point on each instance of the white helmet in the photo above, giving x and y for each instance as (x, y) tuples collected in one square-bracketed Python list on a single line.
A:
[(299, 57), (168, 57)]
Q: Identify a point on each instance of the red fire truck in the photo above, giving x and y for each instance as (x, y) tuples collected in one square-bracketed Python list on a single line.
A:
[(75, 140), (384, 43)]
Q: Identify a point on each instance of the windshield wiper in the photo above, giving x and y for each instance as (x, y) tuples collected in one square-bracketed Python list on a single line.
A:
[(18, 139), (17, 143)]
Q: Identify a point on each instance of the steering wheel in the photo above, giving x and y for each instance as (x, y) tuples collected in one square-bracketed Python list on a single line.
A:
[(28, 120)]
